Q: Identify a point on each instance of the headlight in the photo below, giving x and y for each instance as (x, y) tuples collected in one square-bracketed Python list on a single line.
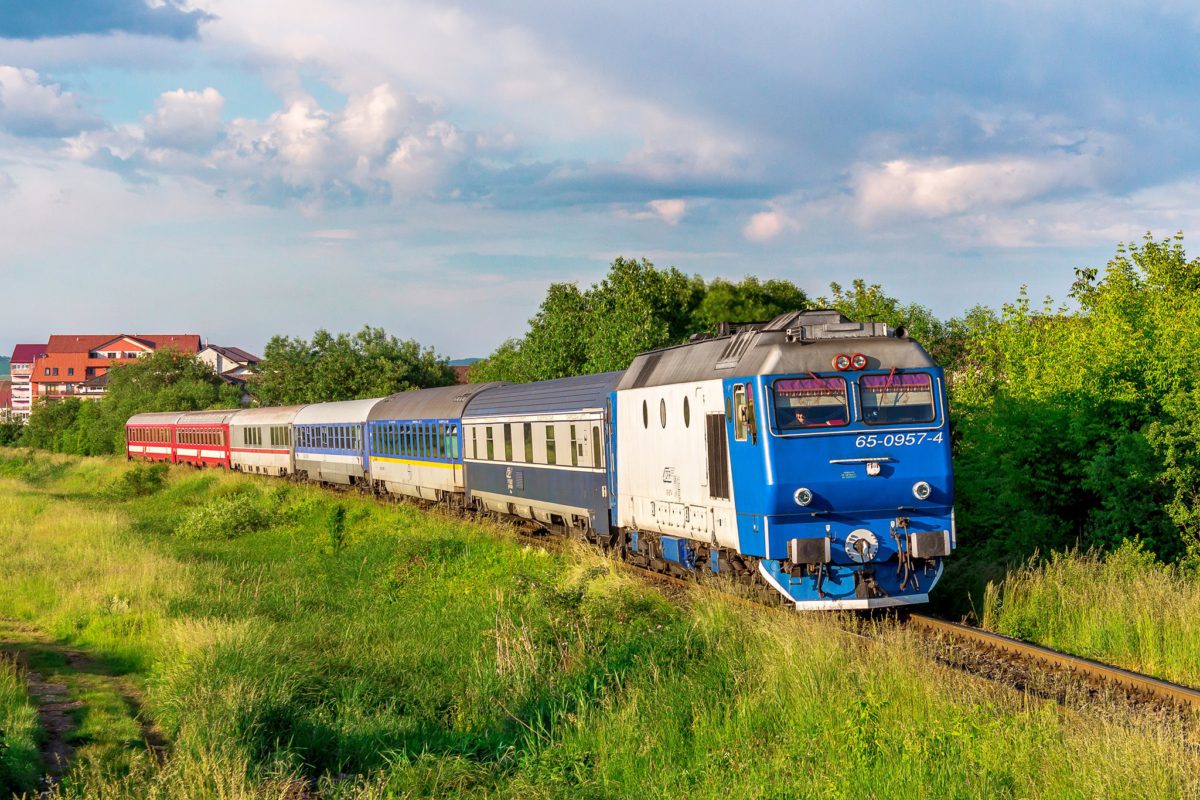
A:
[(803, 496), (841, 362), (858, 361), (922, 490)]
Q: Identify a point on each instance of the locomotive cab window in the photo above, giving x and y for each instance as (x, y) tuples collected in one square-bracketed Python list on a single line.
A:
[(896, 398), (802, 403)]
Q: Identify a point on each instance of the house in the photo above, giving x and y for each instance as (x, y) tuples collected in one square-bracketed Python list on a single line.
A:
[(233, 364), (5, 399), (69, 366), (20, 371)]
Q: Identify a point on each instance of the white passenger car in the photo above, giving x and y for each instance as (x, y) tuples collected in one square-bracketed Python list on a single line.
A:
[(261, 440), (329, 441)]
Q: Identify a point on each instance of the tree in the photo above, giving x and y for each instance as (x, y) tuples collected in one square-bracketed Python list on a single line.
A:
[(369, 363), (1079, 425), (636, 307), (751, 300), (49, 423)]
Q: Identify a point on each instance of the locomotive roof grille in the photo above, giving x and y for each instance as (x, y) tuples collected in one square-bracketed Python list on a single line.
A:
[(826, 323), (796, 342)]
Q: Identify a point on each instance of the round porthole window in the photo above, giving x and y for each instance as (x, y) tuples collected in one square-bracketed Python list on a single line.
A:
[(687, 413), (645, 415), (662, 412)]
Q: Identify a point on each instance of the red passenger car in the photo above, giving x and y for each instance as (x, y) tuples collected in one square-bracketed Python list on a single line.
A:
[(202, 438), (151, 437)]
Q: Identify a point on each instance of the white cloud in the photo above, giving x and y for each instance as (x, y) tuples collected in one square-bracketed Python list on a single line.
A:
[(382, 143), (503, 74), (29, 107), (939, 187), (670, 211), (764, 226), (184, 120), (333, 235)]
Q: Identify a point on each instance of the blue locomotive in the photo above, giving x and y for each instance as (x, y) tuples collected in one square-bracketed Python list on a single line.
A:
[(810, 454)]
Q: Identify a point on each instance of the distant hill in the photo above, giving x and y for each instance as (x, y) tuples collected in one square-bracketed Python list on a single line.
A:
[(465, 362), (3, 366)]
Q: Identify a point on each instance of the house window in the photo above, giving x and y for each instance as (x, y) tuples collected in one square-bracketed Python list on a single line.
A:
[(70, 370), (47, 370), (55, 371)]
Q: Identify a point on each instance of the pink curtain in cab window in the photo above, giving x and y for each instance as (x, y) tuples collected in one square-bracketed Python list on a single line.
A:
[(900, 383), (811, 387)]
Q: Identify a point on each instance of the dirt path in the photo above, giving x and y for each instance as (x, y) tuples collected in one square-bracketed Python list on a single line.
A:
[(57, 678), (56, 714)]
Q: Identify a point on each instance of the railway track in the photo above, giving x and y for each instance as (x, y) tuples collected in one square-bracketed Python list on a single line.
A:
[(1138, 687), (1165, 692)]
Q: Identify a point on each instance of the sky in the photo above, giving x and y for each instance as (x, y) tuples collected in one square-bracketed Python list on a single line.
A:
[(245, 168)]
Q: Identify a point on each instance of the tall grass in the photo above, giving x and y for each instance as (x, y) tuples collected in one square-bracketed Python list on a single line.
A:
[(1124, 608), (387, 652), (19, 757)]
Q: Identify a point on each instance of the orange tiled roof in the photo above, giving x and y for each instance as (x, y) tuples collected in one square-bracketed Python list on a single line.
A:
[(64, 362), (71, 343)]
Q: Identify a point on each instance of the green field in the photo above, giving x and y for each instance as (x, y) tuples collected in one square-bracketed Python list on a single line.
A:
[(288, 642)]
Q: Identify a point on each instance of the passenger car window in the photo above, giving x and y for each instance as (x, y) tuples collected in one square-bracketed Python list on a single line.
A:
[(896, 398), (810, 403)]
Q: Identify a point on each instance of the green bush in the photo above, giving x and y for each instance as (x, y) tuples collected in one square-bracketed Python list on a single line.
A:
[(140, 481), (224, 517)]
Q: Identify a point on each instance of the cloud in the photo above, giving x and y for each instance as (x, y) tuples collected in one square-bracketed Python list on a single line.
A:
[(7, 185), (668, 211), (764, 226), (939, 187), (184, 120), (333, 235), (29, 107), (53, 18), (382, 143), (499, 74)]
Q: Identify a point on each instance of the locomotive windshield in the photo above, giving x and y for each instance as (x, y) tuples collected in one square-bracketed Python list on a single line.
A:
[(810, 403), (895, 399)]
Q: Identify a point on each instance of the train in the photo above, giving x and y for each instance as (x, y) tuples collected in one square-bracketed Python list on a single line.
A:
[(809, 455)]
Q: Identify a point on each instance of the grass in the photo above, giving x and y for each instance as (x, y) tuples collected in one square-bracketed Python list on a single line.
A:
[(1124, 608), (388, 652), (19, 759)]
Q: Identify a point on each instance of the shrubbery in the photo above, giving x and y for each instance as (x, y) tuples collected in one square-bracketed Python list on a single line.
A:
[(1079, 427), (225, 516), (140, 480)]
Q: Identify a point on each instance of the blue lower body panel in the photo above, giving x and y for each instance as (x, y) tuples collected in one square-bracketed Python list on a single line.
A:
[(543, 486)]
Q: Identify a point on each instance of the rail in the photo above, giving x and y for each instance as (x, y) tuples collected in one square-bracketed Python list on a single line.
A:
[(1133, 681)]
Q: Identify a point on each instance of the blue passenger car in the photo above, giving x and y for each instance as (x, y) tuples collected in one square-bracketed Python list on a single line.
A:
[(329, 441), (537, 451), (415, 442)]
